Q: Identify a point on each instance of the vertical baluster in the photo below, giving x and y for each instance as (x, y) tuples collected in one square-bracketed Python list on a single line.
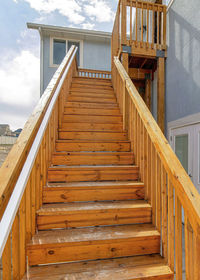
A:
[(131, 24), (6, 260), (33, 198), (28, 212), (158, 195), (153, 183), (158, 28), (142, 23), (164, 26), (134, 131), (164, 211), (189, 249), (15, 248), (123, 23), (196, 252), (178, 238), (170, 225), (153, 27), (136, 24), (22, 237), (142, 151), (147, 25), (38, 178), (138, 138), (149, 168), (145, 177)]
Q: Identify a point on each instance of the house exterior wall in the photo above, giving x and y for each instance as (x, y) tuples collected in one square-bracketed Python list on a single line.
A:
[(183, 60), (96, 54)]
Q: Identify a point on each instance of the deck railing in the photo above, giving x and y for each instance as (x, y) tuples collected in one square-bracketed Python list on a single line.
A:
[(88, 73), (139, 24), (24, 173), (168, 187)]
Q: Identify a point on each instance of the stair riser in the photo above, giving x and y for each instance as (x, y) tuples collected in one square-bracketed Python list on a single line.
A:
[(94, 218), (91, 126), (92, 135), (90, 105), (84, 159), (92, 119), (94, 88), (92, 175), (93, 94), (92, 147), (56, 195), (91, 99), (63, 252), (82, 81), (91, 111)]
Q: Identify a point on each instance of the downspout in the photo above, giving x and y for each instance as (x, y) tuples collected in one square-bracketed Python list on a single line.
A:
[(41, 62)]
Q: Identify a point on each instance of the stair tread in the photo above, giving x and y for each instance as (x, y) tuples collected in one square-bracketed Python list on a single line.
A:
[(94, 167), (93, 141), (94, 184), (48, 209), (93, 234), (89, 153), (126, 268)]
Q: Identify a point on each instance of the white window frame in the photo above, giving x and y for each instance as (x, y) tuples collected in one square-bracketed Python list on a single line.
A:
[(51, 64)]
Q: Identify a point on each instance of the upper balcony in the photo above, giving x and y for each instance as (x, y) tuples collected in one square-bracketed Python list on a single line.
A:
[(139, 29)]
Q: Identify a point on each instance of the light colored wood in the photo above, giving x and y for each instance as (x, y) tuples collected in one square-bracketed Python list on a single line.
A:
[(149, 267), (170, 225), (123, 22), (22, 237), (178, 237), (161, 94), (93, 214), (93, 191), (91, 111), (164, 212), (148, 93), (92, 118), (97, 99), (92, 126), (6, 260), (92, 135), (28, 212), (90, 105), (93, 173), (15, 248), (137, 73), (92, 243), (158, 195)]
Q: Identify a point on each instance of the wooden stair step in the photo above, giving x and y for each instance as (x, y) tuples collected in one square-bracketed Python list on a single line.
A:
[(93, 81), (92, 85), (54, 246), (93, 95), (92, 111), (92, 118), (92, 135), (148, 267), (93, 173), (92, 158), (90, 105), (92, 126), (92, 191), (93, 146), (85, 214), (73, 98)]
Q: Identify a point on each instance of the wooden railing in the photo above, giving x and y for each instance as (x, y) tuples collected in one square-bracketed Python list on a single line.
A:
[(168, 187), (139, 24), (88, 73), (24, 173)]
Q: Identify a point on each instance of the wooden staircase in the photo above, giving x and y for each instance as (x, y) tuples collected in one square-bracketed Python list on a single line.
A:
[(94, 222)]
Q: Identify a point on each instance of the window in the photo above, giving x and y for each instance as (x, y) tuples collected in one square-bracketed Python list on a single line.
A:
[(59, 48), (59, 51)]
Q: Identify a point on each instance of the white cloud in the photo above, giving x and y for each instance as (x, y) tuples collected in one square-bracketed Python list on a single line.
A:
[(100, 10), (19, 88), (70, 8), (88, 25)]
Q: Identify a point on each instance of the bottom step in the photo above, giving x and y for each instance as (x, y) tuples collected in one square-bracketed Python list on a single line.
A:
[(132, 268)]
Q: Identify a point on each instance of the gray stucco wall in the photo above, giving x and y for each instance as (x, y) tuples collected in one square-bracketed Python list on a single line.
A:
[(183, 62), (96, 55)]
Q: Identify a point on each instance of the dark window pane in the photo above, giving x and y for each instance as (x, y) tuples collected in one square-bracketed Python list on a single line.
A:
[(70, 43), (59, 51)]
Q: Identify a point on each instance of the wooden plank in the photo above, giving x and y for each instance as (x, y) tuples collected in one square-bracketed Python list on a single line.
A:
[(91, 99), (148, 92), (161, 94), (92, 119), (6, 260), (92, 158), (93, 243), (123, 22), (164, 211), (92, 111), (28, 212), (93, 173), (15, 248), (22, 237), (93, 191), (92, 135), (93, 94), (92, 126), (86, 214), (171, 245), (178, 238), (138, 74), (158, 195), (90, 105), (95, 146)]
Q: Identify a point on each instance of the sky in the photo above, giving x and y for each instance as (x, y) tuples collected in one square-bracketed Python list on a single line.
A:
[(19, 46)]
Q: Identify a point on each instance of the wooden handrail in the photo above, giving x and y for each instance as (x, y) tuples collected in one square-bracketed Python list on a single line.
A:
[(165, 179), (18, 221)]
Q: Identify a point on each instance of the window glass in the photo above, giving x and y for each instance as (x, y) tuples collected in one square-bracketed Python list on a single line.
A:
[(181, 149), (70, 43), (59, 51)]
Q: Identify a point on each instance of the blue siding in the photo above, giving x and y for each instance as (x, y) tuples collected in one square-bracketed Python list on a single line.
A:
[(183, 62), (96, 56)]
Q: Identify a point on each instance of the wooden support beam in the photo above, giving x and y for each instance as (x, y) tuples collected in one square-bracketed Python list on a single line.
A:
[(138, 74), (124, 58), (148, 91), (161, 93)]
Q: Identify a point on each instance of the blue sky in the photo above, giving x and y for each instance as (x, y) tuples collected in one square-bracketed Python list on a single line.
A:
[(19, 46)]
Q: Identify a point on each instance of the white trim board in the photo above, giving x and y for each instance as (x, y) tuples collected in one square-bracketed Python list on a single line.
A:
[(186, 121), (65, 39)]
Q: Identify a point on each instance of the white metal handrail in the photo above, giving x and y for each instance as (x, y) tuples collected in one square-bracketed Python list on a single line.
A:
[(15, 199)]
